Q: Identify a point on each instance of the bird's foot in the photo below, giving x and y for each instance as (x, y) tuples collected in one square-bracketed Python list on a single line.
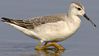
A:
[(56, 45), (51, 44)]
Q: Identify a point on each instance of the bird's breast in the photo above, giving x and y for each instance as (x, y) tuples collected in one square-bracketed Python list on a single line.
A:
[(55, 31)]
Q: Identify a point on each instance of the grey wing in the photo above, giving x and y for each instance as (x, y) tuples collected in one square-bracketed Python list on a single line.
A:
[(44, 19), (32, 23)]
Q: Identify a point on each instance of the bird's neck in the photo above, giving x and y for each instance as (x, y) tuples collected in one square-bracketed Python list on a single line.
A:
[(73, 21), (71, 16)]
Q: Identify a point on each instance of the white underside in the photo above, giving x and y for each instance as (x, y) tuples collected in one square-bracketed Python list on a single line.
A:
[(53, 31)]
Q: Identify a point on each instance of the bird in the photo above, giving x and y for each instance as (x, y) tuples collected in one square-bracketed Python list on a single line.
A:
[(51, 29)]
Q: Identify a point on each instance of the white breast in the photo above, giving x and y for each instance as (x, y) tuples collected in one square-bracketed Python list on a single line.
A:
[(55, 31)]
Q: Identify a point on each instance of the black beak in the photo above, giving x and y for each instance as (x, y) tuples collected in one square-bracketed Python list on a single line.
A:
[(89, 20)]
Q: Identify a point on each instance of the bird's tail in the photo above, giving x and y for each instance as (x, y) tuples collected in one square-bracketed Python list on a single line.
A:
[(4, 19)]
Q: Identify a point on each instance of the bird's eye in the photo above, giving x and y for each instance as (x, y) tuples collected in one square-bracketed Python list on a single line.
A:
[(79, 8)]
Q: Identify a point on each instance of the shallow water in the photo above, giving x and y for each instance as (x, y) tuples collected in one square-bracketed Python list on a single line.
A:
[(13, 43), (25, 49)]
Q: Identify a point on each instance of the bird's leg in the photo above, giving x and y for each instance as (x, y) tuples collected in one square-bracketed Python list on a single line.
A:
[(38, 47), (41, 46), (56, 45), (44, 46), (47, 44)]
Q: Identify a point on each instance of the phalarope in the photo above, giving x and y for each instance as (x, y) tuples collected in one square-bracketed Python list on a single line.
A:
[(54, 28)]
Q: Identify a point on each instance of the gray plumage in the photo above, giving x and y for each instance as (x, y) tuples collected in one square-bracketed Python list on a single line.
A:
[(32, 23), (79, 4)]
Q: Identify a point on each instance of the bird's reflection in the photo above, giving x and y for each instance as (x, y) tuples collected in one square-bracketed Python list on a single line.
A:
[(44, 53), (49, 52)]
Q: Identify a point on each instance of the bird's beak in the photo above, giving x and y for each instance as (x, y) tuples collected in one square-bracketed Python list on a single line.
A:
[(89, 20)]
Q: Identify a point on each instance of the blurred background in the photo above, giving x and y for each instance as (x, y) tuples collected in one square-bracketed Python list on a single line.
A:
[(14, 43)]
